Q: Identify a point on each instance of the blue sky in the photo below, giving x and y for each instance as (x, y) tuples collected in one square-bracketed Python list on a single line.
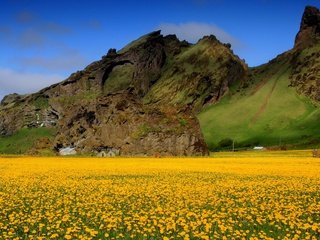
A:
[(43, 42)]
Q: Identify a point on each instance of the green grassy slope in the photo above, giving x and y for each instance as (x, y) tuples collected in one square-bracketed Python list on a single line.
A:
[(136, 42), (194, 74), (119, 79), (23, 140), (268, 113)]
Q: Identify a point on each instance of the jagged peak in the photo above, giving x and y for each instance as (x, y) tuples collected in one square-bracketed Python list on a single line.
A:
[(172, 37), (309, 32), (310, 17), (154, 33), (210, 38)]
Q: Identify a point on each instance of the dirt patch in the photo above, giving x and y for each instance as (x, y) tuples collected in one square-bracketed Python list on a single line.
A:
[(266, 100)]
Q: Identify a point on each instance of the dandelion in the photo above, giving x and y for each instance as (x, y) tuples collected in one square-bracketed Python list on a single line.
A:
[(140, 198)]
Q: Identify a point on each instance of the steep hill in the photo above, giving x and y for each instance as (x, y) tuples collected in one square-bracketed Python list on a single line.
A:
[(122, 103), (199, 76), (145, 100), (279, 102)]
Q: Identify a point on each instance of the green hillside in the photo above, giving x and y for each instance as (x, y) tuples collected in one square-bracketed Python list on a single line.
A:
[(162, 84), (196, 75), (24, 140), (267, 113)]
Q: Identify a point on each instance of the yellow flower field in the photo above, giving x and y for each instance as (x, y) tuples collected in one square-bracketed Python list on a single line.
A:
[(164, 198)]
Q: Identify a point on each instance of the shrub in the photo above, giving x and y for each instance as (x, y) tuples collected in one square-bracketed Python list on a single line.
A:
[(226, 142)]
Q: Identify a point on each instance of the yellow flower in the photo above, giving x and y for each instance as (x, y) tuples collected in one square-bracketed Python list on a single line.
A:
[(55, 235), (187, 198)]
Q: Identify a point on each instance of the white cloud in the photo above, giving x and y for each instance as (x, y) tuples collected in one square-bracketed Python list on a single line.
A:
[(23, 82), (193, 31)]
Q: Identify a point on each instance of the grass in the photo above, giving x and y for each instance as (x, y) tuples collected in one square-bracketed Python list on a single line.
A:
[(142, 131), (189, 77), (170, 198), (269, 114), (119, 79), (41, 103), (22, 141), (134, 43), (263, 154), (82, 96)]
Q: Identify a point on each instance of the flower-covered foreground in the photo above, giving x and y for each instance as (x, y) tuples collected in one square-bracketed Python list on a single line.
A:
[(201, 198)]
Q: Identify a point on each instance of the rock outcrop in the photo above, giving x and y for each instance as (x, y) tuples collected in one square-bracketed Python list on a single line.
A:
[(103, 106), (121, 121), (305, 57), (11, 99), (309, 32)]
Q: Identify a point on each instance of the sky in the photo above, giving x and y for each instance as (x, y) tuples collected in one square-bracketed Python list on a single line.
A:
[(43, 41)]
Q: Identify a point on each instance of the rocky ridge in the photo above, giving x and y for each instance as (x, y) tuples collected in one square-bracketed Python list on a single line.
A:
[(305, 56), (107, 105), (143, 99), (309, 32)]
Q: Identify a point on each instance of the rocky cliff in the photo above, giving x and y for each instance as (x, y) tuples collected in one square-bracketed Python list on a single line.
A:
[(120, 121), (309, 32), (305, 56), (140, 100)]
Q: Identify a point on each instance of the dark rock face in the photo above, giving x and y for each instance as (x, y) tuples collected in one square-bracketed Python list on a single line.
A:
[(27, 111), (305, 75), (120, 121), (149, 58), (11, 98), (112, 52), (305, 57), (309, 29)]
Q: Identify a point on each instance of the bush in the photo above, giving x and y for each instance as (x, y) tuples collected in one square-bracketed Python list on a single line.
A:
[(183, 122), (227, 142), (212, 147)]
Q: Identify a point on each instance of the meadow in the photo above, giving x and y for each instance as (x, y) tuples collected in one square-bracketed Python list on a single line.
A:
[(266, 113), (266, 196)]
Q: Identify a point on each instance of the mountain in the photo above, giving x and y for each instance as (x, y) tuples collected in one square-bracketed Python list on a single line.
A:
[(141, 100), (149, 97), (278, 104)]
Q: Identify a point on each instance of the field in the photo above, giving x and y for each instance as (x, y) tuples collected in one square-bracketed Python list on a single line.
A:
[(266, 113), (249, 197), (23, 140)]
